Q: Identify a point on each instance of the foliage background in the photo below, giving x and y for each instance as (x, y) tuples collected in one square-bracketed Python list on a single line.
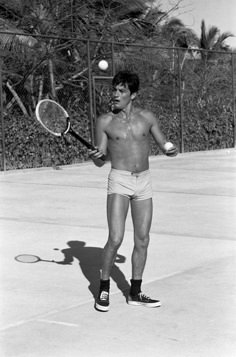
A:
[(52, 48)]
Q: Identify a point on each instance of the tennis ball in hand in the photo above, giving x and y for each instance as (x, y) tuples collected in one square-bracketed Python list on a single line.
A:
[(103, 65), (168, 146)]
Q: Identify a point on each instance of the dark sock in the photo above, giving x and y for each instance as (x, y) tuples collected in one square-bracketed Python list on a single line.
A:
[(105, 285), (135, 287)]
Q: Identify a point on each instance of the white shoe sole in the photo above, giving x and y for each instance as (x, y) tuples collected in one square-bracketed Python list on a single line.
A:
[(101, 308), (136, 303)]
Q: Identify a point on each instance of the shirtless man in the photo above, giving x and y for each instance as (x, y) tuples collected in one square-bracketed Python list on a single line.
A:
[(123, 136)]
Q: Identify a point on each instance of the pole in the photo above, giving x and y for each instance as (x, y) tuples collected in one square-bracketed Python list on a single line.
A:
[(233, 93), (113, 59), (2, 119), (90, 91), (181, 109)]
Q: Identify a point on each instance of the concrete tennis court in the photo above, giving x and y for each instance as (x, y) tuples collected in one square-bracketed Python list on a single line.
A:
[(47, 308)]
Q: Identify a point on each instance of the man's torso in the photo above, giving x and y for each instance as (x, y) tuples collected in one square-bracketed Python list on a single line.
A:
[(129, 140)]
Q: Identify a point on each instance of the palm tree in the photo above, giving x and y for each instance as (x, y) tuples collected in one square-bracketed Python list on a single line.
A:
[(179, 36), (211, 40), (12, 44), (21, 20)]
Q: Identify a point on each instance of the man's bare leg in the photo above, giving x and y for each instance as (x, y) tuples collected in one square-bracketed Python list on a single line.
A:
[(142, 218), (117, 209)]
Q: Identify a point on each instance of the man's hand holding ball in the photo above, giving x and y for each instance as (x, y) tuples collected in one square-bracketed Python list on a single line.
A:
[(170, 149)]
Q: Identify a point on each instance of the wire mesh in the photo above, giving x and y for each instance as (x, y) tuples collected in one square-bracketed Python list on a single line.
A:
[(192, 95)]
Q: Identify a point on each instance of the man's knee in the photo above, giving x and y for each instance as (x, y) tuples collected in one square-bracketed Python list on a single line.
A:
[(141, 240), (115, 240)]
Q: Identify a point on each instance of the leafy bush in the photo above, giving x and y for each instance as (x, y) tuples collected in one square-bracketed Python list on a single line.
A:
[(28, 145)]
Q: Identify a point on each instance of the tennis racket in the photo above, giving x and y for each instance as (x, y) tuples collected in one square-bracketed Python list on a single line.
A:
[(28, 258), (55, 119)]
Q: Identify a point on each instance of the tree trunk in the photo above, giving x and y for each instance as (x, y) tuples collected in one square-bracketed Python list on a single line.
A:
[(52, 81), (17, 98)]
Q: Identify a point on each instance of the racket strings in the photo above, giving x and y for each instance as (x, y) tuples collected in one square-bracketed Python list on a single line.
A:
[(53, 117), (27, 258)]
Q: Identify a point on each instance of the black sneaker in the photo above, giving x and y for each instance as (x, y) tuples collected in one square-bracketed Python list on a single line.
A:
[(102, 302), (143, 300)]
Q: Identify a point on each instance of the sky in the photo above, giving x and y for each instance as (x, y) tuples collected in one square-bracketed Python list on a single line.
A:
[(219, 13)]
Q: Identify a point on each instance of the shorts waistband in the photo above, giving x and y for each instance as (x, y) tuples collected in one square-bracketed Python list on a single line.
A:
[(131, 173)]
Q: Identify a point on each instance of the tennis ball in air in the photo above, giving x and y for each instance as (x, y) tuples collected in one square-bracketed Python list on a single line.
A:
[(103, 65), (168, 146)]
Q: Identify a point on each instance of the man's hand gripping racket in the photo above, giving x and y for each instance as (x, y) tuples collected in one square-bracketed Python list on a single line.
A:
[(55, 119)]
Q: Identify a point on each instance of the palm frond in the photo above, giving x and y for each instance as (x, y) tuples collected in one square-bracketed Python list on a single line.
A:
[(220, 43), (15, 41), (174, 22), (13, 5), (203, 38), (212, 36)]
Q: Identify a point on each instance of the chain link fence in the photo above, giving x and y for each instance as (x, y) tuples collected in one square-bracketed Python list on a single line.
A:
[(192, 93)]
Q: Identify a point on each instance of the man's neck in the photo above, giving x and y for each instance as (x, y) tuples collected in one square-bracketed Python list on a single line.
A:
[(128, 110), (125, 112)]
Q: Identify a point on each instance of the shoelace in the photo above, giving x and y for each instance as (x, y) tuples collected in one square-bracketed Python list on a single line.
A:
[(144, 296), (104, 295)]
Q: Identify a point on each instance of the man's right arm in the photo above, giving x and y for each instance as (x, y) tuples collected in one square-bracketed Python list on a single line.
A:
[(101, 141)]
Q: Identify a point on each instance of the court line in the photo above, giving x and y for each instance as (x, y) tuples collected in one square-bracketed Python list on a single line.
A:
[(57, 322), (103, 187), (42, 317), (77, 226)]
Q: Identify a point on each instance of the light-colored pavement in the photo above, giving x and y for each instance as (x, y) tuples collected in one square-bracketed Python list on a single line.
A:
[(47, 308)]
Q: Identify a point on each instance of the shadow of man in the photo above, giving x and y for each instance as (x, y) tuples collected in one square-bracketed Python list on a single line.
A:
[(90, 259)]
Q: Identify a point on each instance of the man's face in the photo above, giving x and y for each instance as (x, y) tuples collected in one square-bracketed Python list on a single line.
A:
[(121, 96)]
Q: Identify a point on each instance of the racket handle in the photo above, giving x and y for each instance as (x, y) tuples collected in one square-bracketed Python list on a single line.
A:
[(103, 158), (84, 142)]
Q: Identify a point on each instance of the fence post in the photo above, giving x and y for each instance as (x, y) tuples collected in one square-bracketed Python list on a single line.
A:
[(181, 109), (113, 59), (233, 93), (90, 92), (2, 119)]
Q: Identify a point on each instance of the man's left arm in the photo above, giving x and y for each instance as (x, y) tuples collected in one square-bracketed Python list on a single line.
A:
[(155, 130)]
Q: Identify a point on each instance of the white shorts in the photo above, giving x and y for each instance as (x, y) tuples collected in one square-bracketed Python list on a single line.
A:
[(135, 186)]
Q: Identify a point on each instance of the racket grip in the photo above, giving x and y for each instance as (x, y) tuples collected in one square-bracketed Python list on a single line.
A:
[(103, 158), (94, 148)]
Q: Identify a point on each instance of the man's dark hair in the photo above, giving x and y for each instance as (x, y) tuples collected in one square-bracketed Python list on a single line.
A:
[(127, 77)]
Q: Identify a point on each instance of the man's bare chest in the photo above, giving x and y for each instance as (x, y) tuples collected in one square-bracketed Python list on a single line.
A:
[(128, 130)]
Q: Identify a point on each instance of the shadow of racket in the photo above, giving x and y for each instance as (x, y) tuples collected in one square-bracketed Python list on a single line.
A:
[(29, 258)]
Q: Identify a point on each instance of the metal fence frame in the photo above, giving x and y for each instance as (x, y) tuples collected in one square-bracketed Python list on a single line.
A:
[(92, 79)]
